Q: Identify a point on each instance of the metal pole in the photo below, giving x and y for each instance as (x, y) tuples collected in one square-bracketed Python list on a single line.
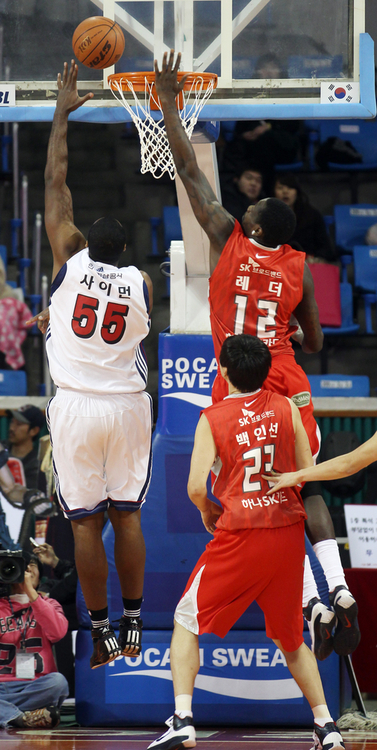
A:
[(25, 262), (16, 205), (1, 51), (24, 215), (37, 253), (46, 373), (7, 77)]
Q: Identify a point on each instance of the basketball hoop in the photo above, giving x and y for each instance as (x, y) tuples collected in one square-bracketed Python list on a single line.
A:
[(156, 156)]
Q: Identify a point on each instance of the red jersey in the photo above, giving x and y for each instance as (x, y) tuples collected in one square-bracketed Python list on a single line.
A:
[(40, 623), (253, 433), (254, 290)]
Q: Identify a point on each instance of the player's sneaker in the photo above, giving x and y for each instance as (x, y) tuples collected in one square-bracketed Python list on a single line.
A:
[(181, 733), (347, 633), (105, 647), (130, 635), (321, 621), (327, 737), (47, 717)]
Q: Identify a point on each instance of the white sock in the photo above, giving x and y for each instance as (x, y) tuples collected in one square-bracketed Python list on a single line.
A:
[(310, 587), (183, 705), (327, 553), (321, 722), (321, 714)]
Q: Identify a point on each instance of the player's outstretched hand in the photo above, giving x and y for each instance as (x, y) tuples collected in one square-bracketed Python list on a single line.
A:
[(167, 85), (42, 320), (68, 97), (210, 516), (290, 479)]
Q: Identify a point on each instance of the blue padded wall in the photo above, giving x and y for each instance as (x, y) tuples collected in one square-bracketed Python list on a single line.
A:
[(242, 680), (246, 662)]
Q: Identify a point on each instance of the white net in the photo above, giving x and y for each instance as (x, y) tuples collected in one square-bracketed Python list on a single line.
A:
[(156, 156)]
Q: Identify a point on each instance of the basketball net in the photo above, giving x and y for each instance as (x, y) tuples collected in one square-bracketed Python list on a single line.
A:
[(156, 156)]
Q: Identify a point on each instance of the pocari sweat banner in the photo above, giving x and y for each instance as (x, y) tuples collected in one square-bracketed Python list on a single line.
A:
[(187, 369)]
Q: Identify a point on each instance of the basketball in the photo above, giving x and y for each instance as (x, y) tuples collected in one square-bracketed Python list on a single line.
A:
[(98, 42)]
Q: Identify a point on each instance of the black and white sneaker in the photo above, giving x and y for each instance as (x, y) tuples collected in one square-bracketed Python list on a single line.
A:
[(347, 633), (105, 647), (327, 737), (181, 733), (130, 635), (321, 621)]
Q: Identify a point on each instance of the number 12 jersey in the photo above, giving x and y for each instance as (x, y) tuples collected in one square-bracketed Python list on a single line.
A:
[(254, 289)]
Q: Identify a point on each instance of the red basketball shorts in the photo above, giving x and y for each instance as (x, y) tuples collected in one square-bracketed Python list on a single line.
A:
[(288, 378), (237, 568)]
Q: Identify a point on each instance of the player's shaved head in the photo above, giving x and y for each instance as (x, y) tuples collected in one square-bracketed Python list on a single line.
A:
[(106, 239), (277, 221), (247, 360)]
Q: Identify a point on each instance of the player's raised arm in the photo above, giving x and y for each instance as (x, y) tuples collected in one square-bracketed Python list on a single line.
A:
[(212, 217), (64, 237), (307, 315)]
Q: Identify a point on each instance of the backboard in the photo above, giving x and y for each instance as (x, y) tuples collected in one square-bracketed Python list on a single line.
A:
[(271, 56)]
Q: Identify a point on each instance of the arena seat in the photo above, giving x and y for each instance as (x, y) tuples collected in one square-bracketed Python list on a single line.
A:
[(351, 223), (172, 225), (315, 66), (365, 270), (13, 383), (339, 385), (327, 293), (361, 133)]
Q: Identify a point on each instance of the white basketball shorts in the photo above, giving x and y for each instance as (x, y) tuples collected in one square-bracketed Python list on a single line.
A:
[(101, 449)]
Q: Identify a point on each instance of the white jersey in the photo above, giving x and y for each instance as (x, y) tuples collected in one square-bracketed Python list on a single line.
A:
[(99, 315)]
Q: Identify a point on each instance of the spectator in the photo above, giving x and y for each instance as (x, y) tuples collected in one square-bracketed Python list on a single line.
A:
[(371, 235), (31, 690), (310, 230), (19, 497), (242, 191), (13, 330), (62, 587), (259, 142), (263, 144), (269, 66), (5, 289), (25, 425)]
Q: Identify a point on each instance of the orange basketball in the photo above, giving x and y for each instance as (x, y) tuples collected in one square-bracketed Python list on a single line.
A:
[(98, 42)]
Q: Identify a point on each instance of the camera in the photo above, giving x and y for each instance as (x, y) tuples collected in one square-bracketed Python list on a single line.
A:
[(12, 567)]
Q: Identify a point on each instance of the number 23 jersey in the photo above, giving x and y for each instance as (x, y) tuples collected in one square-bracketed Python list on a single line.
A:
[(254, 289), (99, 315), (253, 433)]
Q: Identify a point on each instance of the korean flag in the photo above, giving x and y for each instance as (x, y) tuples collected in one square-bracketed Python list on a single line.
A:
[(339, 93)]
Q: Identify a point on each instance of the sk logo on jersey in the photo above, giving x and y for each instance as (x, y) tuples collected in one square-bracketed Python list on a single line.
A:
[(248, 413)]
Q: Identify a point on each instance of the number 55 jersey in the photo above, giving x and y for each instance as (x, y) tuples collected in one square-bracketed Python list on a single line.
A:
[(99, 315), (253, 433)]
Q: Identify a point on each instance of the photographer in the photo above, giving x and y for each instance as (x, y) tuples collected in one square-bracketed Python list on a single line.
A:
[(31, 690)]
